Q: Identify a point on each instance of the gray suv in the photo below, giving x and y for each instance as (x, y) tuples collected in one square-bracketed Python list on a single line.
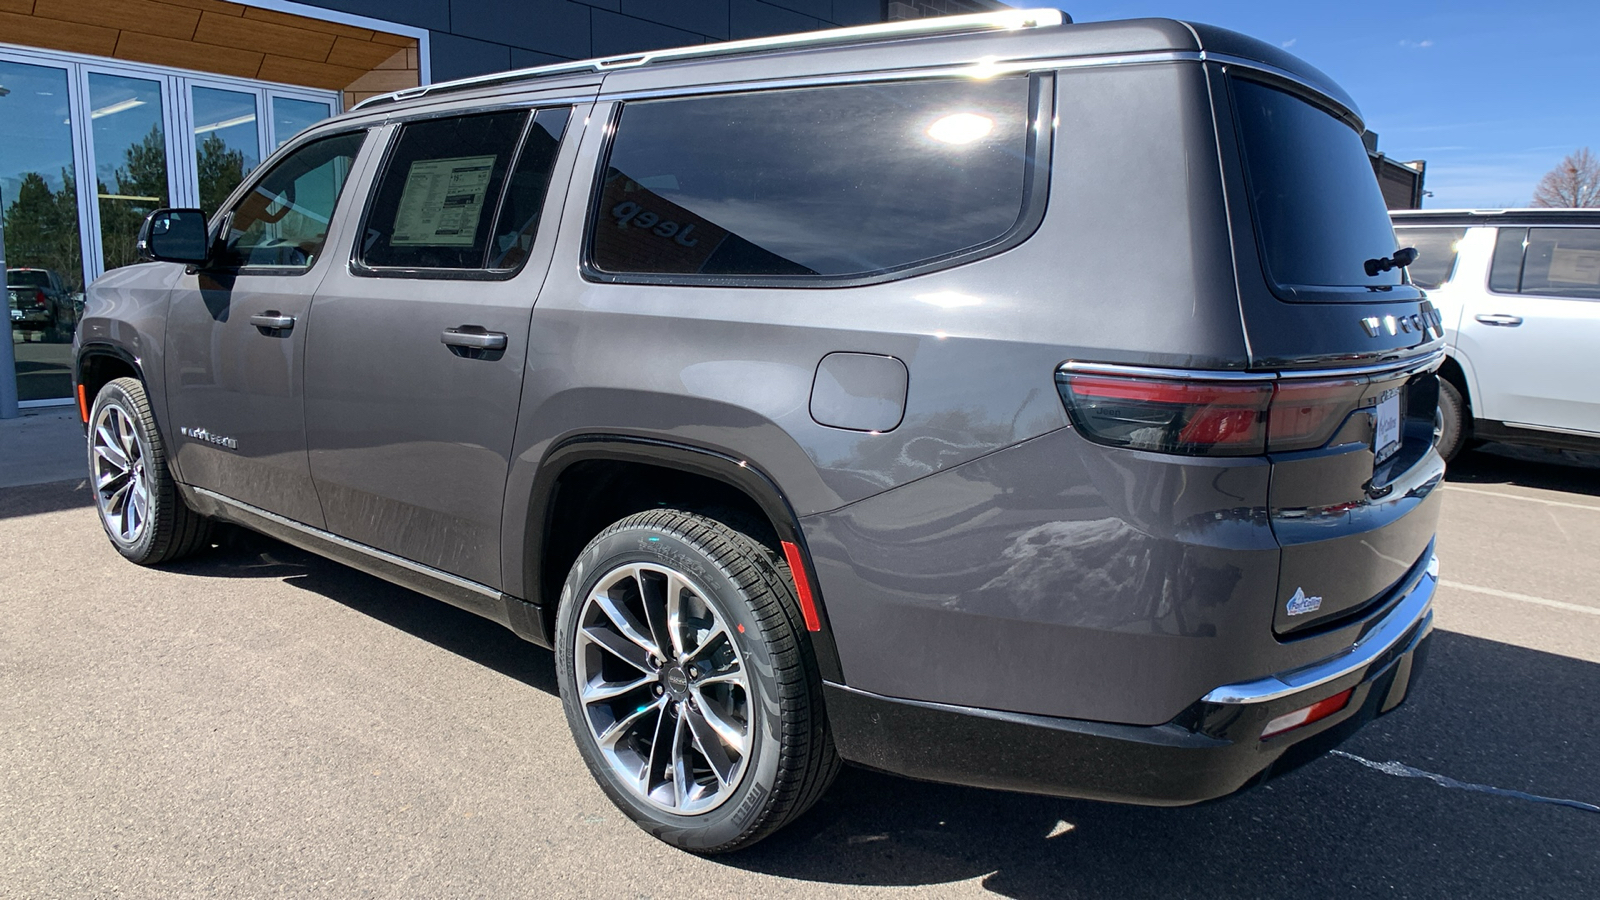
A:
[(994, 400)]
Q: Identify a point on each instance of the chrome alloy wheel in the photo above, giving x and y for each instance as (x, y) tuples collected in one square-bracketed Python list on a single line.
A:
[(121, 483), (663, 688)]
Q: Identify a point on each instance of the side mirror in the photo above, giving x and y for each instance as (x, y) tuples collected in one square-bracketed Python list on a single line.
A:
[(173, 235)]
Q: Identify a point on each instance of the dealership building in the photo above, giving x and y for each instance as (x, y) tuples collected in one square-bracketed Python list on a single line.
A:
[(112, 108)]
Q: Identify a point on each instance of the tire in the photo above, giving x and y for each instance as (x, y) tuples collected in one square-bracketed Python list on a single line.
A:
[(732, 708), (138, 501), (1451, 434)]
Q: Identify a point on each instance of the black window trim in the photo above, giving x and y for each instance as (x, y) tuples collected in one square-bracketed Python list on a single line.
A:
[(360, 269), (1522, 263), (1302, 293), (1035, 192), (222, 220)]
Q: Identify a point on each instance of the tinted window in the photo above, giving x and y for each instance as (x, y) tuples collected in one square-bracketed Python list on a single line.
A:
[(1562, 261), (829, 181), (1318, 210), (1436, 253), (1505, 270), (435, 202), (524, 199), (283, 221)]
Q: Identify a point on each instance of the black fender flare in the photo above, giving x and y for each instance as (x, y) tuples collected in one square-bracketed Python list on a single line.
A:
[(716, 465)]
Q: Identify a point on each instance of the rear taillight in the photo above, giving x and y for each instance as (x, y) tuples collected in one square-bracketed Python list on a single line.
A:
[(40, 300), (1201, 417)]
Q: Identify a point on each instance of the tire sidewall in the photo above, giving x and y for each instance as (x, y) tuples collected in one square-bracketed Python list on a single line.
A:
[(114, 394), (741, 811), (1453, 417)]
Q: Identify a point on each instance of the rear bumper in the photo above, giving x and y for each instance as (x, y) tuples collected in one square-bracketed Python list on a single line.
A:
[(1211, 750)]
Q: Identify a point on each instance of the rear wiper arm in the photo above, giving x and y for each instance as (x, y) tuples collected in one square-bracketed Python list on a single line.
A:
[(1403, 257)]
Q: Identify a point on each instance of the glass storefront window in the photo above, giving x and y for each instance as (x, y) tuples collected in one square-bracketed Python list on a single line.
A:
[(87, 149), (130, 159), (227, 142), (39, 203), (291, 116)]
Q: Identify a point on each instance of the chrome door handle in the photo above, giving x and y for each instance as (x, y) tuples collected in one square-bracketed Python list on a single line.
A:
[(272, 320), (1499, 319), (474, 338)]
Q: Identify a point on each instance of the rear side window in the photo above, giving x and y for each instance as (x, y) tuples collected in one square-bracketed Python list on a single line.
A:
[(443, 200), (839, 181), (1436, 253), (1563, 262), (1319, 214)]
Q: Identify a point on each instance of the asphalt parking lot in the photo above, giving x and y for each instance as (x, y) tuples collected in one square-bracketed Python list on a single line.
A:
[(261, 722)]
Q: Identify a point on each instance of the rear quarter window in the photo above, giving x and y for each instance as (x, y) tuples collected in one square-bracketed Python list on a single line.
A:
[(813, 183)]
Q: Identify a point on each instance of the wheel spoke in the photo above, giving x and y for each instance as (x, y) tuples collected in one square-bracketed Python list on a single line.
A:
[(106, 448), (710, 744), (119, 498), (726, 730), (675, 589), (597, 690), (627, 626), (655, 610), (107, 480), (614, 732), (662, 752), (130, 440), (620, 647), (681, 775), (733, 674), (710, 640)]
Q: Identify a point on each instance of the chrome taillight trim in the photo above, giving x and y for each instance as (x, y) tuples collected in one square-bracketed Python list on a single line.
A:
[(1409, 366)]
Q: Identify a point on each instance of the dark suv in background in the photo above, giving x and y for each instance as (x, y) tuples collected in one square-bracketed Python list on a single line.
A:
[(39, 304), (990, 400)]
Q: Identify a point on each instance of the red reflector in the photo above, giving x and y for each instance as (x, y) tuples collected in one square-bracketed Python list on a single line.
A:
[(83, 404), (802, 586), (1302, 717)]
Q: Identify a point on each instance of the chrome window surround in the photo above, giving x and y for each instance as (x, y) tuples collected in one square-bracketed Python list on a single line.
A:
[(1401, 622)]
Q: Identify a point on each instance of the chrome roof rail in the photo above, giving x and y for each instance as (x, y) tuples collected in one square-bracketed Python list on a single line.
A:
[(1000, 20)]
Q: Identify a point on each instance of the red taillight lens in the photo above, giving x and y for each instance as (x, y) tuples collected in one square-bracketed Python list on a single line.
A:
[(1303, 717), (40, 300), (1197, 417)]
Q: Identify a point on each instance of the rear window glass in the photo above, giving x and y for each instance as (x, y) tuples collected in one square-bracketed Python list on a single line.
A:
[(1505, 269), (1319, 214), (28, 278), (832, 181), (1436, 253)]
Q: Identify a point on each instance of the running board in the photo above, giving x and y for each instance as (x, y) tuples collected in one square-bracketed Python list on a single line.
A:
[(526, 619)]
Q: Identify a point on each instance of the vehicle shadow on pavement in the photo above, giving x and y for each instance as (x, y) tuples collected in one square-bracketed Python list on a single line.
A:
[(1552, 470), (244, 554), (1483, 713)]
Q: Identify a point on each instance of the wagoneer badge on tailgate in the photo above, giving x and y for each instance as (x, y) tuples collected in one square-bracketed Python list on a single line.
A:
[(1300, 604)]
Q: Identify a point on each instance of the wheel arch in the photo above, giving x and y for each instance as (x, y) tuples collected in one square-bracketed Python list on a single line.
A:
[(589, 481), (97, 364)]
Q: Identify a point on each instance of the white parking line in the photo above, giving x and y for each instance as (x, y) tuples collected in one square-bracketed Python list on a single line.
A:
[(1465, 490), (1525, 598)]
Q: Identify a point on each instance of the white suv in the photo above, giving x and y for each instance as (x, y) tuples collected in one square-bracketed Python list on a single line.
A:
[(1519, 290)]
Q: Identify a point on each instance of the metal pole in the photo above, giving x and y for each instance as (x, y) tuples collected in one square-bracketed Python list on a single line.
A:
[(8, 355)]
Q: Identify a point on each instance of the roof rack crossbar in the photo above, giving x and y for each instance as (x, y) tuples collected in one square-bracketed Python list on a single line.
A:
[(1001, 20)]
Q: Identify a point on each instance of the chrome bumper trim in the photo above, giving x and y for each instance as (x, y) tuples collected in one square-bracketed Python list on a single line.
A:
[(1415, 607)]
